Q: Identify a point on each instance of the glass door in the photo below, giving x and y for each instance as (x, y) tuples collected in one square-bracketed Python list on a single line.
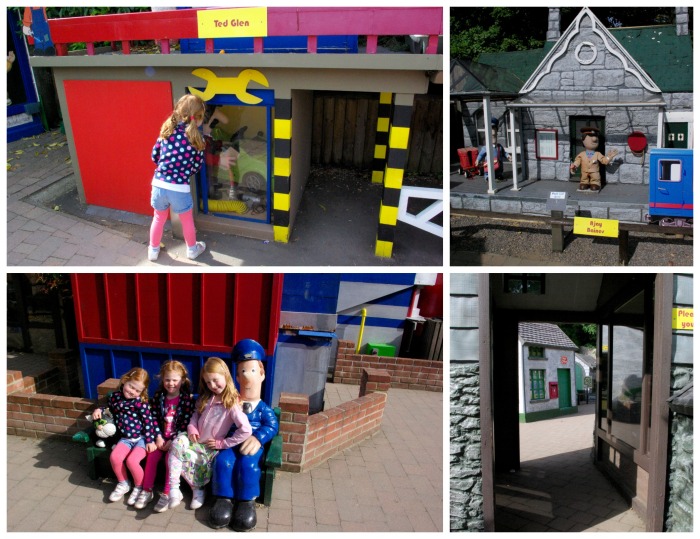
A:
[(236, 181)]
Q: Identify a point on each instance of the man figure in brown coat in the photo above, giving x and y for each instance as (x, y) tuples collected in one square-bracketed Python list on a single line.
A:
[(589, 160)]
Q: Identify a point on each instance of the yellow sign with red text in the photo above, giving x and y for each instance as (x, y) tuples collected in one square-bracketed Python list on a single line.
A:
[(244, 22), (589, 226), (682, 318)]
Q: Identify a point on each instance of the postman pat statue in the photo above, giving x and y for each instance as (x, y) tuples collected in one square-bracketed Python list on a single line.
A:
[(236, 479)]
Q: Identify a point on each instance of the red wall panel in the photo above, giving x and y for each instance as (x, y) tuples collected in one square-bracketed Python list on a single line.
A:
[(121, 309), (115, 125), (89, 311), (217, 317), (208, 312), (184, 302), (152, 303)]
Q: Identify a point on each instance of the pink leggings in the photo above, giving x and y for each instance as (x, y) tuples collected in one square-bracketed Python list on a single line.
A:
[(123, 453), (159, 219), (152, 467)]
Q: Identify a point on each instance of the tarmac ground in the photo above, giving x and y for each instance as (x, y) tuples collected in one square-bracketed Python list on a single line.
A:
[(47, 225), (389, 482), (558, 488)]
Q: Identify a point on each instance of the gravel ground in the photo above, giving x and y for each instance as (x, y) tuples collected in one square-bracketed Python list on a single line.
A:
[(479, 242)]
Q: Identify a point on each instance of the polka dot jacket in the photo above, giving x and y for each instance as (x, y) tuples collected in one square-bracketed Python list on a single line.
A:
[(185, 409), (176, 160), (133, 417)]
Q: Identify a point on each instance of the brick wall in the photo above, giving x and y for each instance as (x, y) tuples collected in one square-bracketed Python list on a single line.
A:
[(406, 373), (311, 440), (46, 382), (37, 414)]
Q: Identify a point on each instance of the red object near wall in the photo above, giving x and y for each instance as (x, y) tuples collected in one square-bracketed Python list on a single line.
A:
[(115, 125), (204, 312), (553, 390), (430, 301)]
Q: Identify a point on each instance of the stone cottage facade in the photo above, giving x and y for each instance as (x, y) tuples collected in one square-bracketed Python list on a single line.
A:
[(625, 81)]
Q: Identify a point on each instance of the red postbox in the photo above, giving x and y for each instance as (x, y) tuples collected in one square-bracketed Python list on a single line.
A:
[(553, 390)]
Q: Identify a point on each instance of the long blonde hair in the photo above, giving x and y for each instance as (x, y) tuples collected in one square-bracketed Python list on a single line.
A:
[(229, 396), (188, 110), (137, 374)]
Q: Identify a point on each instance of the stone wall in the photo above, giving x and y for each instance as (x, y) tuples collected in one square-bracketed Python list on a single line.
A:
[(466, 499), (679, 516)]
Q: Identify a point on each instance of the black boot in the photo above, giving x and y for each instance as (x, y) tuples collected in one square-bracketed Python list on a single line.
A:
[(244, 517), (220, 513)]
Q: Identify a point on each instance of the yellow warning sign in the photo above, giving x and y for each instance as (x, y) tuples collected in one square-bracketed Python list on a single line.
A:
[(682, 318), (589, 226)]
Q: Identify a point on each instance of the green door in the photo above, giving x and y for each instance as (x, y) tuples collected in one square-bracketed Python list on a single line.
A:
[(564, 379), (675, 135)]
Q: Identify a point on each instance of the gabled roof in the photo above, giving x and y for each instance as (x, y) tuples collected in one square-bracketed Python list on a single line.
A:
[(562, 48), (664, 56), (542, 334), (589, 361)]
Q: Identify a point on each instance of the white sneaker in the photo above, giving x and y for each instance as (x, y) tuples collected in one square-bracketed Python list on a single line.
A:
[(134, 495), (197, 498), (144, 499), (175, 498), (118, 493), (162, 504), (198, 249), (153, 253)]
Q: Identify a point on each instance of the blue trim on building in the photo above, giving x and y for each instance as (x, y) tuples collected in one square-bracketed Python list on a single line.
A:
[(371, 321), (382, 278)]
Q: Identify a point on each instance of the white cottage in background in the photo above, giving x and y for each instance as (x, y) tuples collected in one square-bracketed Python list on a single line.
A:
[(546, 372)]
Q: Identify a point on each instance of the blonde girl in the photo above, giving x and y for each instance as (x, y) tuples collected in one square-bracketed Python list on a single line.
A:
[(178, 154), (218, 408), (172, 407), (132, 416)]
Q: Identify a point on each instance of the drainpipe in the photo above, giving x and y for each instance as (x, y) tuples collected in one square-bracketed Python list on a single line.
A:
[(362, 330)]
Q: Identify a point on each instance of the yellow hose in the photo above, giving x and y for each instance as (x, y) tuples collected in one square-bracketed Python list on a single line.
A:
[(362, 330), (235, 206)]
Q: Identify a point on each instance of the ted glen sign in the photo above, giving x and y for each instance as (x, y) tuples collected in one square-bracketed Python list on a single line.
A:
[(244, 22), (589, 226)]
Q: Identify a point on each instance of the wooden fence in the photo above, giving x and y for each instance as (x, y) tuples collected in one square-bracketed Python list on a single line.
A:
[(345, 126)]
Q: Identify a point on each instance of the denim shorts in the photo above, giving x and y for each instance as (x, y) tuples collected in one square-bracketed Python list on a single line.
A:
[(162, 199), (131, 443)]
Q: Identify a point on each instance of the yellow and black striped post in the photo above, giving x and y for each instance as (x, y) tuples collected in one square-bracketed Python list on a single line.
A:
[(282, 169), (382, 138), (397, 156)]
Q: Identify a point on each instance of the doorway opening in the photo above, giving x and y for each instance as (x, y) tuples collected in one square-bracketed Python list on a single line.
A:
[(551, 482)]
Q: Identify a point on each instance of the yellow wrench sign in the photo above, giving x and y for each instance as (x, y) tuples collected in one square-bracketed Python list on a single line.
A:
[(229, 85)]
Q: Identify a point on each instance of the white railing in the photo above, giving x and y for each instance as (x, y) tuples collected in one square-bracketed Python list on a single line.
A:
[(422, 219)]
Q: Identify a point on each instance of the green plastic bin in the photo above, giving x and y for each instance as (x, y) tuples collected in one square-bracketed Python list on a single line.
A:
[(384, 350)]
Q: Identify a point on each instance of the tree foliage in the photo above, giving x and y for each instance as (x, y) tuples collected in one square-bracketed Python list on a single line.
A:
[(581, 334), (501, 29)]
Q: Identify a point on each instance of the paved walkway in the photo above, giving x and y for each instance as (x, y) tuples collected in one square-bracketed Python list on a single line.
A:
[(336, 224), (390, 482), (558, 489)]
